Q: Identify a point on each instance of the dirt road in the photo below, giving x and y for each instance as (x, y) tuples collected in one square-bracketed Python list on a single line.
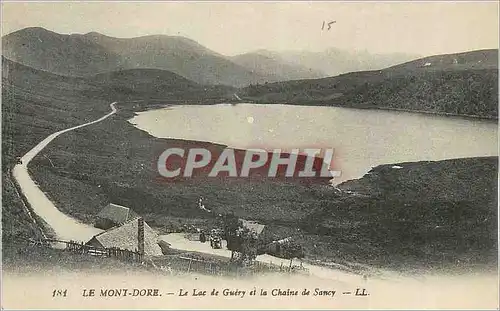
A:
[(178, 241), (65, 227)]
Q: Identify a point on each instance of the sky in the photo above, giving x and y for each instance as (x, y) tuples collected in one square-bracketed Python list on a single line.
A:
[(423, 28)]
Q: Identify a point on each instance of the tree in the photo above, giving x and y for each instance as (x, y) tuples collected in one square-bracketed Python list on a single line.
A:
[(247, 243), (241, 241), (286, 249), (230, 225)]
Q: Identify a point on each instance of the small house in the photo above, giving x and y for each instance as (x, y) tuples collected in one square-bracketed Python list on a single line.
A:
[(132, 236), (114, 215), (253, 226)]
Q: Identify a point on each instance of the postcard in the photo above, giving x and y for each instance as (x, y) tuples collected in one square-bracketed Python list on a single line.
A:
[(249, 155)]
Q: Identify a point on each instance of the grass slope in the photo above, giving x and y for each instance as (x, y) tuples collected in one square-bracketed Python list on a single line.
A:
[(93, 53), (427, 213), (468, 87), (34, 105), (150, 84), (37, 103)]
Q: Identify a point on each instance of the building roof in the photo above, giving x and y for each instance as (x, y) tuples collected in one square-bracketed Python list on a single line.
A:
[(117, 213), (125, 237), (253, 226)]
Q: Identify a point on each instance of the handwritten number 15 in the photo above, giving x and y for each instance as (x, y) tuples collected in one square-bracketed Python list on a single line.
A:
[(329, 25)]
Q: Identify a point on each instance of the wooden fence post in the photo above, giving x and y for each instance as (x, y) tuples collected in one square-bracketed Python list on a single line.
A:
[(140, 235)]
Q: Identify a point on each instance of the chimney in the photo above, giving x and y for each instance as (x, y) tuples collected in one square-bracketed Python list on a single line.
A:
[(140, 235)]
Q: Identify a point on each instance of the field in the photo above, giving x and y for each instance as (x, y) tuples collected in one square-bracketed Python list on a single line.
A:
[(30, 112), (37, 103), (426, 215), (378, 224)]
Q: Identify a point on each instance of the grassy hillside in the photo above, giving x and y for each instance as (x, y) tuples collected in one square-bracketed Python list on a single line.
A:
[(61, 54), (37, 103), (93, 53), (432, 214), (425, 214), (480, 59), (177, 54), (147, 84), (34, 105), (468, 87)]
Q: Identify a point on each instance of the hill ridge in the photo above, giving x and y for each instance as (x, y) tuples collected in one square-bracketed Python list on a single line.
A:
[(94, 53)]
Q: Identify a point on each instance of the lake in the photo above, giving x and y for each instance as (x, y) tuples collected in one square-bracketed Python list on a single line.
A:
[(361, 138)]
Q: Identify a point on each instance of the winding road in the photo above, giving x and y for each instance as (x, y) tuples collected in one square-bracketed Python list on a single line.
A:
[(68, 228), (65, 227)]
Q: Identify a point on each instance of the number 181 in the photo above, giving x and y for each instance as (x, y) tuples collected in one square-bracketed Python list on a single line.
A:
[(59, 293)]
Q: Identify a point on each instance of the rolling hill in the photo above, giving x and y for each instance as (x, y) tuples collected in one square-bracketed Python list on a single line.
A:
[(459, 84), (67, 55), (93, 53), (179, 55), (36, 103), (111, 162), (428, 209), (144, 84), (480, 59)]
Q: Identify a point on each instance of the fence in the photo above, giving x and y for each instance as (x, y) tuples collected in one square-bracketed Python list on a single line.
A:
[(167, 263), (122, 254), (185, 264)]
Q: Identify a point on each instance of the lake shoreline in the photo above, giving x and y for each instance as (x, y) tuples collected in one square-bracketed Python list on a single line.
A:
[(236, 103), (435, 113), (350, 132), (81, 192)]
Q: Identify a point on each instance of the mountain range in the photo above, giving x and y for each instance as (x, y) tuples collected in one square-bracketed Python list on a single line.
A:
[(160, 66), (52, 82), (93, 53)]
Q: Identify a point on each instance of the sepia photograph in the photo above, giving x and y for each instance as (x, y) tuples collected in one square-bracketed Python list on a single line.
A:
[(249, 155)]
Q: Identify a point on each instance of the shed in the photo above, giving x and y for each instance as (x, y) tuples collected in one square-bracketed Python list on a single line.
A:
[(253, 226), (126, 236), (114, 215)]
